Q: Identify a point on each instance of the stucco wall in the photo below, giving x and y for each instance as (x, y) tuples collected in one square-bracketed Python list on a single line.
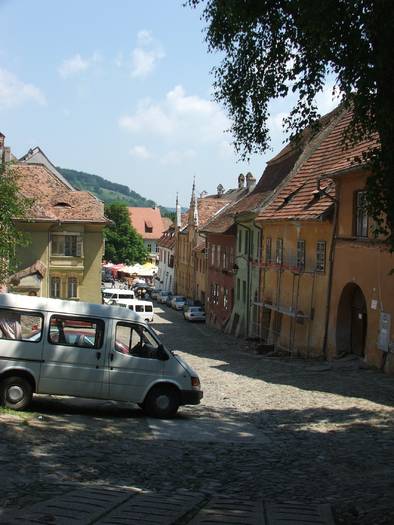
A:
[(304, 293)]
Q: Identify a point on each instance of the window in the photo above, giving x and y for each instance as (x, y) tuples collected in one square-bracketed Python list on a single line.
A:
[(149, 247), (239, 241), (279, 251), (225, 260), (218, 261), (139, 307), (361, 214), (225, 298), (55, 287), (259, 244), (66, 245), (20, 326), (135, 340), (252, 243), (246, 248), (238, 289), (268, 254), (213, 254), (321, 256), (301, 255), (148, 226), (76, 331), (244, 291), (72, 287)]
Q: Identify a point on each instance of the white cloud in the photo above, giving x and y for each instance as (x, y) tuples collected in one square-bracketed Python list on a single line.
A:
[(328, 98), (176, 158), (140, 152), (76, 64), (179, 118), (14, 92), (145, 56)]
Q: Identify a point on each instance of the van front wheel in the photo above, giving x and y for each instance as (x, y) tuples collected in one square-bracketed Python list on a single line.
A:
[(16, 393), (162, 402)]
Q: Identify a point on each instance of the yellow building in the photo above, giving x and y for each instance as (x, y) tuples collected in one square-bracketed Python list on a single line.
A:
[(65, 232), (298, 227)]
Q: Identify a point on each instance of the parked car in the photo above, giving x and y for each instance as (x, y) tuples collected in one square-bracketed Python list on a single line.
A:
[(191, 302), (155, 293), (169, 299), (178, 302), (194, 313), (162, 296), (109, 353)]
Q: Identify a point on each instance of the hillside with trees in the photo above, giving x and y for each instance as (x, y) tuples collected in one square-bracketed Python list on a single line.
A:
[(107, 191)]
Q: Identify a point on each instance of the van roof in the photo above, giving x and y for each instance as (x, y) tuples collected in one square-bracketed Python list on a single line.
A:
[(25, 303), (120, 291)]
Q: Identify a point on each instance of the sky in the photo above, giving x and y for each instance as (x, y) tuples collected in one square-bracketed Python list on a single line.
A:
[(123, 90)]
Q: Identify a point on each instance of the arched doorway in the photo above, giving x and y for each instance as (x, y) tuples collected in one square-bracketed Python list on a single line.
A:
[(351, 321)]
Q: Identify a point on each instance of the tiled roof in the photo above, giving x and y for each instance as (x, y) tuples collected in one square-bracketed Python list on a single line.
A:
[(276, 170), (147, 218), (54, 200), (298, 197), (167, 222), (167, 240)]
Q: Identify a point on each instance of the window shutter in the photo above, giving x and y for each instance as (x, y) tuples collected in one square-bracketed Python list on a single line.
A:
[(79, 246)]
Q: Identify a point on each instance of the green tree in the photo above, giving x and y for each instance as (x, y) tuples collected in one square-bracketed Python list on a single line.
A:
[(122, 243), (13, 206), (271, 48)]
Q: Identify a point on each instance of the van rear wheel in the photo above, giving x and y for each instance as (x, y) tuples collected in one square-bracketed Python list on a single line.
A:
[(162, 402), (16, 393)]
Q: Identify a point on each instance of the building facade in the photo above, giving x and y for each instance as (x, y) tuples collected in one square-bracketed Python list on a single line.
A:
[(149, 223), (362, 297), (65, 237)]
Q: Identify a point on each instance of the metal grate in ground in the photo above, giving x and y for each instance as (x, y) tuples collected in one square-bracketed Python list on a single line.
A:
[(120, 506)]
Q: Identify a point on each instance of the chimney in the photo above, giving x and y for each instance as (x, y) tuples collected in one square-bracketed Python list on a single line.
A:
[(250, 182), (220, 190), (241, 181)]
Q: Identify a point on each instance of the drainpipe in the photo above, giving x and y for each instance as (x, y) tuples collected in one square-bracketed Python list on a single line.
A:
[(331, 269)]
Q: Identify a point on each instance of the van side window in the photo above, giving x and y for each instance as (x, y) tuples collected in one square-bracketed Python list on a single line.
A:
[(139, 307), (20, 326), (76, 331), (135, 340)]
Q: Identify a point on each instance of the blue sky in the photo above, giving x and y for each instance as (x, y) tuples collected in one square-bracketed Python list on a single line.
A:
[(123, 90)]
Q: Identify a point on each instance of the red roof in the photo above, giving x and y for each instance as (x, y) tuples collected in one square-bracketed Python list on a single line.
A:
[(298, 197), (53, 199), (147, 221)]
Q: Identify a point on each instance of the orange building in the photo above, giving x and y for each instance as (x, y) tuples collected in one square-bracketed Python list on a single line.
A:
[(362, 297)]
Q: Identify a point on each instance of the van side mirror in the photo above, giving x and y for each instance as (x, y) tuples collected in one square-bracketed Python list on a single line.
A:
[(161, 353)]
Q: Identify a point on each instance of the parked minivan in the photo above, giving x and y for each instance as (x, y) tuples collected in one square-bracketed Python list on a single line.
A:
[(144, 308), (116, 294), (50, 346)]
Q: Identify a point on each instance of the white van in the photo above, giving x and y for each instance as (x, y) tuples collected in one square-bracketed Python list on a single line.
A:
[(50, 346), (116, 294), (144, 308)]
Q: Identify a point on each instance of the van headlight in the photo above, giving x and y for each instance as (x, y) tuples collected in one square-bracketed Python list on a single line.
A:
[(195, 383)]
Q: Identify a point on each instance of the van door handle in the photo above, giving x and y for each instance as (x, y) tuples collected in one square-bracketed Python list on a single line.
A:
[(98, 355)]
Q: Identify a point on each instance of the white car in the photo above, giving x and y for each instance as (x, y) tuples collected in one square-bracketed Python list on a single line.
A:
[(178, 302), (162, 297), (194, 313)]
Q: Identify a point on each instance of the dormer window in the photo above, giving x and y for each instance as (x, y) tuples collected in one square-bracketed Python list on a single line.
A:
[(148, 226), (62, 204)]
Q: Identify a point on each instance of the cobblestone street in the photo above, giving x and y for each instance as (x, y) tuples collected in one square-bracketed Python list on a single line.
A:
[(271, 428)]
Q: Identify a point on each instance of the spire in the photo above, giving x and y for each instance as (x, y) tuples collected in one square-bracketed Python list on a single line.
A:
[(178, 213), (193, 213)]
